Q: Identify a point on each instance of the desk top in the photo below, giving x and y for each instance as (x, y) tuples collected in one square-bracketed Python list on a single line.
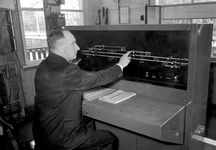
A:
[(150, 116), (143, 109)]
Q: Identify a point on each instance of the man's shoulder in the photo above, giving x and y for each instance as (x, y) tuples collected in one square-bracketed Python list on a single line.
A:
[(72, 67)]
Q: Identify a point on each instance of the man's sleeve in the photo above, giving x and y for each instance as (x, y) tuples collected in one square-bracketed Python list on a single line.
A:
[(77, 79)]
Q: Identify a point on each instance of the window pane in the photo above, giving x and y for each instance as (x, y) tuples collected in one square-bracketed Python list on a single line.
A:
[(34, 28), (73, 18), (170, 2), (31, 3), (177, 21), (72, 4), (198, 1)]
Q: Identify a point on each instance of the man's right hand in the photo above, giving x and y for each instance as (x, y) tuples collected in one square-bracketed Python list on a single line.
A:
[(125, 59)]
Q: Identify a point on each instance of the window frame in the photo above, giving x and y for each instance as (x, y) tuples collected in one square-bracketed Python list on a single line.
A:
[(155, 2), (20, 9), (28, 62), (76, 10)]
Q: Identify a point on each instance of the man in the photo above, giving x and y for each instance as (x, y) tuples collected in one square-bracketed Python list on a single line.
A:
[(58, 123)]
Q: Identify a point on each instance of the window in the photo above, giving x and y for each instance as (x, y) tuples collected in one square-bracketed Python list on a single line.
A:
[(172, 2), (34, 28), (207, 20), (73, 10)]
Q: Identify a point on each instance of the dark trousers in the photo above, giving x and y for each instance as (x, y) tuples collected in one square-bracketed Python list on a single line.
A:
[(99, 139)]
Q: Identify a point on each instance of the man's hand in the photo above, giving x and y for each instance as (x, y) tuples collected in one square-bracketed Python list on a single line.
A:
[(125, 59)]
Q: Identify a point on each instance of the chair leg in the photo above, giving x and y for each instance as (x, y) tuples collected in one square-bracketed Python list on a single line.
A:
[(11, 140)]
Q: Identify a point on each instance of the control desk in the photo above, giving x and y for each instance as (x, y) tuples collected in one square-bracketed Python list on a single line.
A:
[(168, 72)]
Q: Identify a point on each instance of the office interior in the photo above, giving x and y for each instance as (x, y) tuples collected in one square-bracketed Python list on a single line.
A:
[(172, 72)]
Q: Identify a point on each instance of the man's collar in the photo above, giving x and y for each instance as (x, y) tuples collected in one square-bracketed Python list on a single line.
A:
[(55, 57)]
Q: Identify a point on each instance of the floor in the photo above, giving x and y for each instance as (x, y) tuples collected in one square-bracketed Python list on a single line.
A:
[(23, 132), (210, 128)]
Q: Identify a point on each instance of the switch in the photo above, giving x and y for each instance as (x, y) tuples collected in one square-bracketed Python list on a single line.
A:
[(142, 17)]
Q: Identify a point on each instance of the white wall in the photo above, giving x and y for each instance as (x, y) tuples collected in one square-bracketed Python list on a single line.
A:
[(136, 9), (9, 4)]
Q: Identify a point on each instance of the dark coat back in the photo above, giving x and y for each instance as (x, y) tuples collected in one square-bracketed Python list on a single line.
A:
[(58, 101)]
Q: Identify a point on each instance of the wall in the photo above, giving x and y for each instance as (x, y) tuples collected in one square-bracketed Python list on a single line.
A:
[(9, 4), (197, 10), (12, 58), (90, 11), (136, 9)]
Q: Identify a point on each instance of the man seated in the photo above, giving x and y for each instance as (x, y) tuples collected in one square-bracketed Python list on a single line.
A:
[(58, 121)]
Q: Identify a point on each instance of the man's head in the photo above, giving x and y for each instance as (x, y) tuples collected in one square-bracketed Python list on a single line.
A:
[(63, 43)]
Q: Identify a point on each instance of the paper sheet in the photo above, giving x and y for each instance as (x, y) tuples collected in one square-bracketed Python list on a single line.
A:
[(117, 96), (96, 93)]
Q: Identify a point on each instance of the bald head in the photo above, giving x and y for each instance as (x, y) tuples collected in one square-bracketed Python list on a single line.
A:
[(56, 40), (63, 43)]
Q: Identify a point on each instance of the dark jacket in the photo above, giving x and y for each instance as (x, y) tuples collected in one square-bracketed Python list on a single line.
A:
[(58, 101)]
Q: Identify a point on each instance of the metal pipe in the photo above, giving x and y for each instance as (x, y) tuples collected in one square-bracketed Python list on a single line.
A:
[(118, 51), (165, 63)]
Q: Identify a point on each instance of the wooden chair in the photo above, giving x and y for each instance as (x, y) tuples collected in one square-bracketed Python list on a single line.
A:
[(11, 143)]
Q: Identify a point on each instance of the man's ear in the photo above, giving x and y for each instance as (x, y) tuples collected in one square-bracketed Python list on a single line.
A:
[(57, 51), (60, 50)]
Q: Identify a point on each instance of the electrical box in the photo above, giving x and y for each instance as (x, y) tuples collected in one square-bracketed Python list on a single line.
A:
[(7, 39), (59, 20)]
